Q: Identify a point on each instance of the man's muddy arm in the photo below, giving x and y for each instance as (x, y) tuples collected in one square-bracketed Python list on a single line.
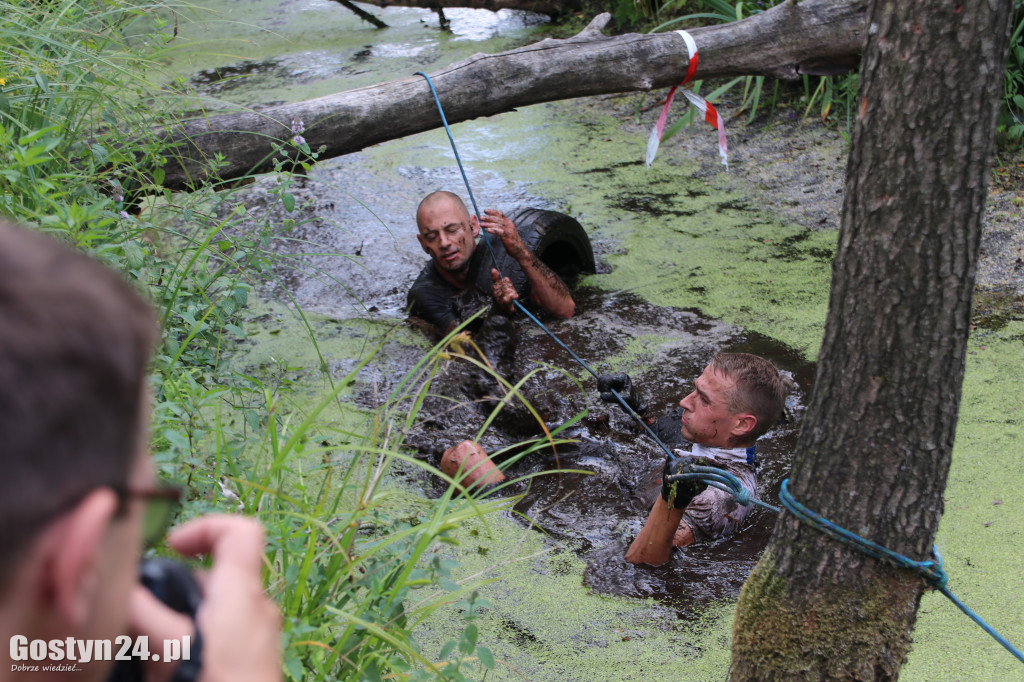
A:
[(547, 288), (653, 545)]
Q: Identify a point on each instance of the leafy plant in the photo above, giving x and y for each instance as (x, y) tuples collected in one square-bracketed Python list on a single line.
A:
[(1011, 119)]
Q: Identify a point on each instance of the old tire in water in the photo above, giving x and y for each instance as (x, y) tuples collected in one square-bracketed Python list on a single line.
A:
[(557, 239)]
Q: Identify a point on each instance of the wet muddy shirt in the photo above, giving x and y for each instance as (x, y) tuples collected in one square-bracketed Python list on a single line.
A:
[(432, 298), (715, 513)]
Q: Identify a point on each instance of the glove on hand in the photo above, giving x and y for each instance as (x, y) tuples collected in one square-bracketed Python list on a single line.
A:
[(680, 493), (621, 383)]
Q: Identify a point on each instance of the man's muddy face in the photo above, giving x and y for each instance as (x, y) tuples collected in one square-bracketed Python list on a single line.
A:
[(707, 419), (448, 234)]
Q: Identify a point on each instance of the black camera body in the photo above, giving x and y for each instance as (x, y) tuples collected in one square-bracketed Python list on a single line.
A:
[(174, 585)]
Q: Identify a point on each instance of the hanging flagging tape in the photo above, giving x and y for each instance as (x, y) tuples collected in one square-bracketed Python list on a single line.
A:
[(706, 108)]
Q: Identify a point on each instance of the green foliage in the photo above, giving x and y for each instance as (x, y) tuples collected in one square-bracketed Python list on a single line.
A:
[(459, 652), (354, 565), (830, 90), (631, 13), (1011, 119)]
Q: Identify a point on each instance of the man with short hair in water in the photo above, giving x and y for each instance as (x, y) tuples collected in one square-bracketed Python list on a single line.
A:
[(736, 400), (447, 232)]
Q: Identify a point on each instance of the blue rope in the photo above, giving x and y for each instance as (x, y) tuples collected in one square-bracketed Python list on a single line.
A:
[(932, 571), (458, 160), (984, 626)]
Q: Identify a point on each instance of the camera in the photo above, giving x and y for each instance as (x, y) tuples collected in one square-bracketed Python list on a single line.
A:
[(174, 585)]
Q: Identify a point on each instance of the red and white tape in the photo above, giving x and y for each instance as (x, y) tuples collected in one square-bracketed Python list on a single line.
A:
[(709, 111)]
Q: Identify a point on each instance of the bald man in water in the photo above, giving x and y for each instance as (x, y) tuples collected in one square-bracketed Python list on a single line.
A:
[(735, 401), (447, 233)]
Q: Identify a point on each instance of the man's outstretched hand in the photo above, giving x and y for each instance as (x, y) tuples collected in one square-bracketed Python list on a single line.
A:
[(620, 383), (680, 493)]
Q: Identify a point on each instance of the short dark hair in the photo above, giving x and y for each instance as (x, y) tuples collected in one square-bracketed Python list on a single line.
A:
[(75, 341), (760, 390)]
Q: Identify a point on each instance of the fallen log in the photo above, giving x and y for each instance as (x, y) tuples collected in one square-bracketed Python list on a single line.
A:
[(786, 41)]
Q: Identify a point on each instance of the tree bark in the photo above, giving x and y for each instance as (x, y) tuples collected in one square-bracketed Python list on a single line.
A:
[(876, 441), (785, 41)]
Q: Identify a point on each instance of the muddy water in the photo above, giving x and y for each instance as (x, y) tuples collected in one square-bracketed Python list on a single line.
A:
[(663, 348), (265, 51), (352, 255), (600, 506), (595, 513)]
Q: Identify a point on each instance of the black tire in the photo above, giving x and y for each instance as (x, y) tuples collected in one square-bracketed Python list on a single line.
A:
[(557, 239)]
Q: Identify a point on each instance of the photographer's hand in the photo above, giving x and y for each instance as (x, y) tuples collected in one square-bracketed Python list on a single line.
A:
[(158, 622), (240, 625)]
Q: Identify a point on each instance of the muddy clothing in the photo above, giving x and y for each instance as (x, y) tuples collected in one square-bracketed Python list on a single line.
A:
[(433, 298), (714, 513)]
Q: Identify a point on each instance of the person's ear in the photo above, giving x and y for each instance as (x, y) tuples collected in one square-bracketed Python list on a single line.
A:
[(475, 224), (419, 238), (744, 424), (74, 560)]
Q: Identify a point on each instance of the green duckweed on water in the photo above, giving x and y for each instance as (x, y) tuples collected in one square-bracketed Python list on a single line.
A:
[(542, 624), (981, 535)]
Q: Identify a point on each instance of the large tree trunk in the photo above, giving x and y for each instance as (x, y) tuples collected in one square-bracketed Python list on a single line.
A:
[(876, 441), (788, 40)]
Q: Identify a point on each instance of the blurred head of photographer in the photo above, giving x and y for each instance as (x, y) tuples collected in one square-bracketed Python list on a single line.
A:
[(78, 494)]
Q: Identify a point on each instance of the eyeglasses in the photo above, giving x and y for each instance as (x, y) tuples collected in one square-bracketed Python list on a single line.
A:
[(162, 506)]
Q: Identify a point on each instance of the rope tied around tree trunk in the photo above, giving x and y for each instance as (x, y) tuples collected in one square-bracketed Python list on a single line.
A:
[(931, 571)]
